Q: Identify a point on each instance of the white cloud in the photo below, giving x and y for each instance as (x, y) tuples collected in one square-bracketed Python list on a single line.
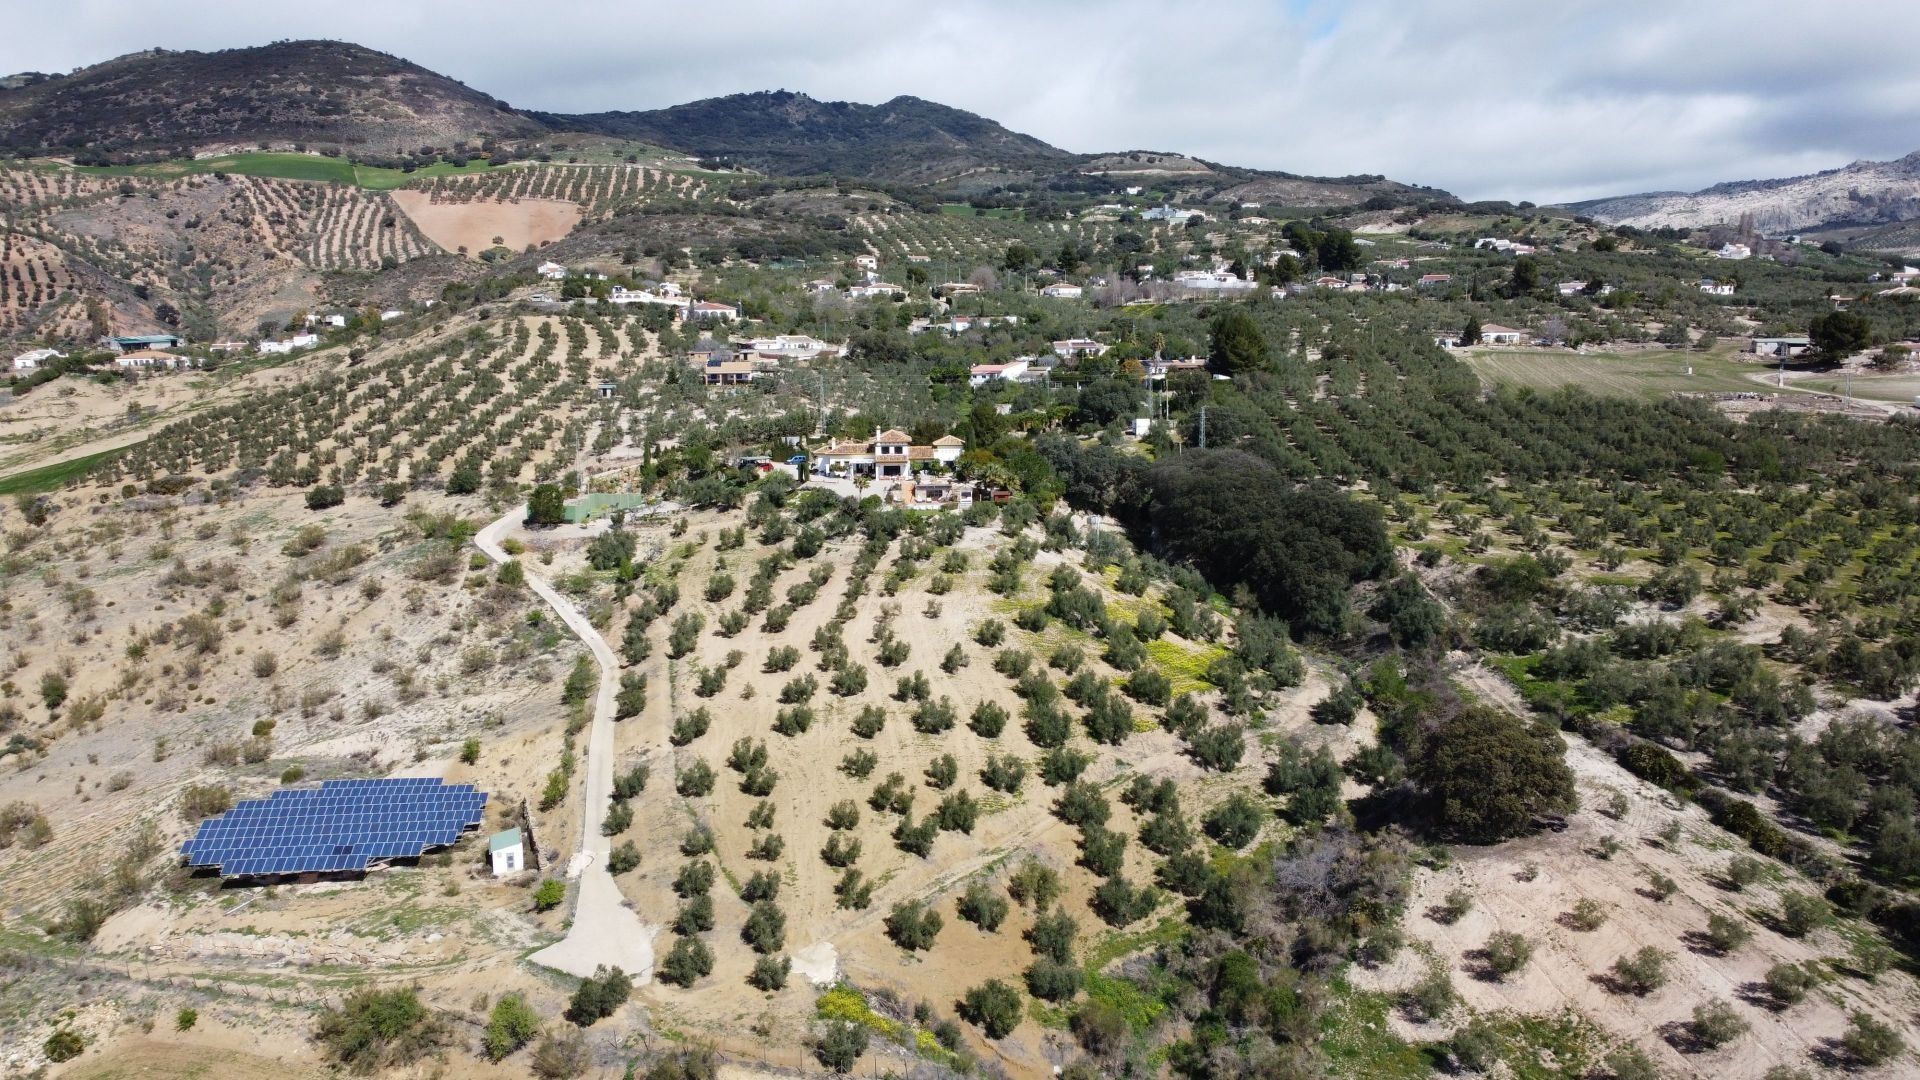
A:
[(1493, 99)]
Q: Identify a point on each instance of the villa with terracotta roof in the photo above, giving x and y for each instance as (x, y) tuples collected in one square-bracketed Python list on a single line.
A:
[(889, 455)]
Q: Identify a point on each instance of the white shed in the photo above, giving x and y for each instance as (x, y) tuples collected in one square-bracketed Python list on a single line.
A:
[(505, 851)]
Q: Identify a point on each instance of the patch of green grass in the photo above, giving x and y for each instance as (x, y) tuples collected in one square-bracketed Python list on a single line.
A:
[(1360, 1043), (287, 166), (55, 476), (1186, 665)]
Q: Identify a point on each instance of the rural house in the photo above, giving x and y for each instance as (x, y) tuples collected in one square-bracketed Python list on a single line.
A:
[(707, 309), (1495, 334), (150, 360), (31, 360), (981, 374), (890, 455), (1063, 291), (1072, 348)]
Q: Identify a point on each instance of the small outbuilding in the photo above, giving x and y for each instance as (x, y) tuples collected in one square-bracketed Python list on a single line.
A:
[(506, 853)]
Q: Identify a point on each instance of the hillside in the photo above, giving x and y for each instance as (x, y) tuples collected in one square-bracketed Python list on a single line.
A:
[(325, 92), (1863, 193), (905, 140)]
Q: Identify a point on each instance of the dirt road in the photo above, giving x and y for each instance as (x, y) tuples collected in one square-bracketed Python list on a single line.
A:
[(604, 930)]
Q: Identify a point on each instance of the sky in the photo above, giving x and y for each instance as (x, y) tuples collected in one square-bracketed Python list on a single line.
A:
[(1488, 99)]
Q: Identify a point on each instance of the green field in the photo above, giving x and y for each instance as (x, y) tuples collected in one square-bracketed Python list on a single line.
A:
[(52, 477), (1901, 388), (292, 167), (1645, 375), (966, 210)]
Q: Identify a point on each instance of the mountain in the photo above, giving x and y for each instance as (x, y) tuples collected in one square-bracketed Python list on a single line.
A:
[(324, 92), (905, 140), (1865, 193)]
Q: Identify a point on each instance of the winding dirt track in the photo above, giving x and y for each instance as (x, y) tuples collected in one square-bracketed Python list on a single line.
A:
[(604, 930)]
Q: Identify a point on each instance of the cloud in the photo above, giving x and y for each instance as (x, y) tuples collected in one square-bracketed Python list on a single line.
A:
[(1491, 99)]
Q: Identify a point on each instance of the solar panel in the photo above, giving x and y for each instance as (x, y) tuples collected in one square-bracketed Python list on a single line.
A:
[(340, 825)]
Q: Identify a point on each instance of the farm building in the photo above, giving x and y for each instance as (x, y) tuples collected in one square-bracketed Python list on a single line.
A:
[(32, 359), (506, 853), (1495, 334)]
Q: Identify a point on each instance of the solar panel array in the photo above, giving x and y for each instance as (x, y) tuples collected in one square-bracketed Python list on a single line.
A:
[(340, 825)]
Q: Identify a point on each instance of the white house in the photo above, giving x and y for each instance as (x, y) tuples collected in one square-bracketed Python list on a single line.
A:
[(889, 455), (31, 360), (1063, 291), (1734, 251), (622, 295), (552, 271), (707, 309), (1716, 288), (1073, 347), (1781, 346), (818, 285), (1211, 280), (1429, 281), (1571, 288), (869, 291), (1170, 213), (981, 374), (1495, 334), (281, 348), (149, 360), (391, 314), (506, 852), (867, 262), (789, 347)]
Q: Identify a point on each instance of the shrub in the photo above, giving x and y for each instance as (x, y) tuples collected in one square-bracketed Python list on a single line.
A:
[(1433, 996), (913, 926), (695, 916), (549, 894), (561, 1055), (989, 719), (374, 1030), (687, 962), (1035, 885), (1641, 973), (942, 772), (694, 781), (186, 1018), (510, 1026), (624, 858), (1235, 822), (600, 995), (694, 879), (1004, 774), (1744, 870), (470, 752), (1453, 907), (766, 928), (64, 1045), (1725, 933), (1870, 1042), (1218, 747), (1801, 914), (982, 907), (839, 1045), (1507, 952), (1789, 984), (994, 1007), (991, 633), (1716, 1023), (957, 813), (325, 496), (1052, 935), (1587, 914), (1632, 1063), (204, 801), (1053, 980), (1119, 903), (770, 973)]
